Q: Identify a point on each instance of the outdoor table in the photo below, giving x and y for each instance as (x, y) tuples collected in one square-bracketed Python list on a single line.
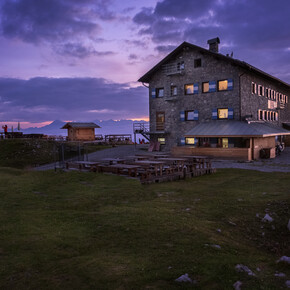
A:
[(148, 163), (201, 160), (112, 161), (174, 161), (118, 168)]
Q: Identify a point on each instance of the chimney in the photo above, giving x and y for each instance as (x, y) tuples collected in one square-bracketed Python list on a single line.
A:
[(214, 44)]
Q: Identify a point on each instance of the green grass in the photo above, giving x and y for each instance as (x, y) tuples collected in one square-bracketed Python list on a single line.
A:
[(93, 231), (24, 153)]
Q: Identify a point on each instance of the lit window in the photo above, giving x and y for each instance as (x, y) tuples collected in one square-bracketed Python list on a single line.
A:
[(189, 115), (197, 62), (188, 89), (173, 90), (205, 87), (225, 142), (161, 140), (189, 141), (160, 92), (223, 113), (223, 85)]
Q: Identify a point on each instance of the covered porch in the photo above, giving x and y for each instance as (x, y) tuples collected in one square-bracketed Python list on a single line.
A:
[(231, 140)]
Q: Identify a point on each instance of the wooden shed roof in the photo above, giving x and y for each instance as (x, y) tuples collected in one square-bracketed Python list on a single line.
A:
[(80, 125)]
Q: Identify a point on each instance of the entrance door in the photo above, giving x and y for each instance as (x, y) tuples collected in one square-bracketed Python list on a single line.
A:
[(160, 121)]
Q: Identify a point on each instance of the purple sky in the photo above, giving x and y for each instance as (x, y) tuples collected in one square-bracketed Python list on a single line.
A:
[(80, 60)]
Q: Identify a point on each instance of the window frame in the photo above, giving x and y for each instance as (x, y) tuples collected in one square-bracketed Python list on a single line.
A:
[(202, 84), (172, 90), (185, 91), (186, 115), (158, 92), (218, 109), (225, 80)]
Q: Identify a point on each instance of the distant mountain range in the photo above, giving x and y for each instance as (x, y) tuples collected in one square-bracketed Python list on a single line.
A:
[(107, 127)]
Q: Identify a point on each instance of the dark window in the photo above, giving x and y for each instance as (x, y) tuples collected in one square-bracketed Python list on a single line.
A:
[(253, 88), (189, 115), (197, 62), (173, 90), (180, 66), (261, 115), (160, 93)]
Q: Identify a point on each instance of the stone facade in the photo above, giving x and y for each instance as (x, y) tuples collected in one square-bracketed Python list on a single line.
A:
[(213, 67)]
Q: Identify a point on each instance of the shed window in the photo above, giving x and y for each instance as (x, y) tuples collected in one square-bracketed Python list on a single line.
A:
[(188, 89)]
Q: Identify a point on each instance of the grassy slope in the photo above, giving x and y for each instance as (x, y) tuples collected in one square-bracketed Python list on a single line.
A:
[(22, 153), (84, 230)]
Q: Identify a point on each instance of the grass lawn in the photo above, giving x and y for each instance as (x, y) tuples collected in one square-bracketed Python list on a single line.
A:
[(92, 231)]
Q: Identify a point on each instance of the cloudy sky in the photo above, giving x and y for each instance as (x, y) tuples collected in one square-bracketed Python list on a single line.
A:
[(80, 60)]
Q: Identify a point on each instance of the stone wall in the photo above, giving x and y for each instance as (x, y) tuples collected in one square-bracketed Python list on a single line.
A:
[(251, 103), (212, 69)]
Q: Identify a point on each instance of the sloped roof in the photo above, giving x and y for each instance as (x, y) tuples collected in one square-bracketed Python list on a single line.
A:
[(80, 125), (230, 128), (146, 77)]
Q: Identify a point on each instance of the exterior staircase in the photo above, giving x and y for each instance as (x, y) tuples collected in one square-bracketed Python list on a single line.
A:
[(143, 129)]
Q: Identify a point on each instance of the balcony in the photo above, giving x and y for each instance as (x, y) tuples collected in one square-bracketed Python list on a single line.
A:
[(173, 68)]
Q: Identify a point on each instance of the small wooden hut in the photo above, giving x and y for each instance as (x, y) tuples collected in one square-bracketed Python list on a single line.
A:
[(78, 131)]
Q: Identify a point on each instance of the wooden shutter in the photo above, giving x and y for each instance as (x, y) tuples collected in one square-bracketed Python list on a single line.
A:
[(230, 113), (230, 84), (182, 141), (212, 86), (182, 116), (214, 114), (195, 88)]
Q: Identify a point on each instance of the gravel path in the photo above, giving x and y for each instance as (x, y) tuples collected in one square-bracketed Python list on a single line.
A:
[(281, 163)]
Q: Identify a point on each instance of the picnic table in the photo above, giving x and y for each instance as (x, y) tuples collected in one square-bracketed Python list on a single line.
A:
[(202, 161), (122, 168), (177, 163), (112, 161), (157, 165)]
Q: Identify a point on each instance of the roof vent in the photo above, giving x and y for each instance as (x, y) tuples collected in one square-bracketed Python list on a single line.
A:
[(214, 44)]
